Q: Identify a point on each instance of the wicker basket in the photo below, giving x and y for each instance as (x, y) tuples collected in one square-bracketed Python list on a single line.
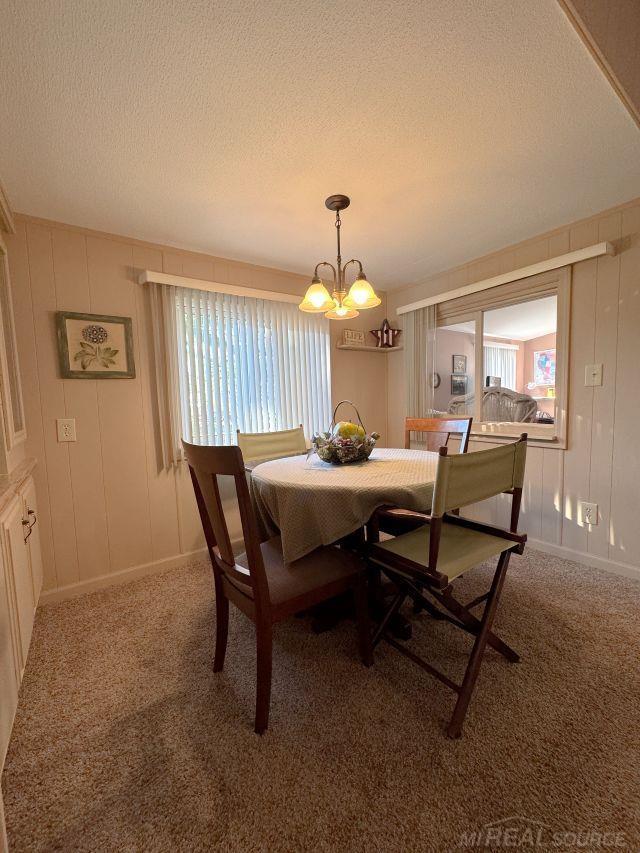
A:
[(341, 451)]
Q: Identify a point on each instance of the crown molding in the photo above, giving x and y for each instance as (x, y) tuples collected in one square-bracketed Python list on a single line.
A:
[(6, 216), (582, 28)]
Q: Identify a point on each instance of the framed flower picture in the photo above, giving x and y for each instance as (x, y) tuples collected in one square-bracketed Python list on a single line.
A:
[(95, 346)]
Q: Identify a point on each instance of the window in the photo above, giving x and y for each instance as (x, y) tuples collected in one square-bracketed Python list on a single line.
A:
[(516, 381), (249, 364)]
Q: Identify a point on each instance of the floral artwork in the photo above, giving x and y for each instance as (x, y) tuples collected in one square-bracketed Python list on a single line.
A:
[(94, 346), (544, 367), (91, 352)]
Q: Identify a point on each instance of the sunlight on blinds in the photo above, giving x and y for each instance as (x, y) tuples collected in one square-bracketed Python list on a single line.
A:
[(249, 364), (501, 362)]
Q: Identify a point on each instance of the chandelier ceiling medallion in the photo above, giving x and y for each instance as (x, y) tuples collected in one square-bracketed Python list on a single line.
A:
[(339, 305)]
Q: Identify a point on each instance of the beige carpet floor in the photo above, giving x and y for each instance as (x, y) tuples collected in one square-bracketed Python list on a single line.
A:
[(125, 740)]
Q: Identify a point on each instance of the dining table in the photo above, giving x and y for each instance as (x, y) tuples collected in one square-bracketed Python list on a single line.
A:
[(311, 503)]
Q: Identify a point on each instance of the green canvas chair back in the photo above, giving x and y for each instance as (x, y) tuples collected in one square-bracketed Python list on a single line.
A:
[(468, 478), (271, 445)]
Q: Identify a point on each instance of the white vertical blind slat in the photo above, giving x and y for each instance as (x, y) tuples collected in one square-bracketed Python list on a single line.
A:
[(247, 364)]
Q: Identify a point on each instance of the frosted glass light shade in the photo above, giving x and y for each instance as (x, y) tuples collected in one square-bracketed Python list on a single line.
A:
[(317, 299), (341, 312), (361, 294)]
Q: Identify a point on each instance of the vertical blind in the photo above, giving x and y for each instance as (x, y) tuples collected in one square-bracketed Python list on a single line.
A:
[(501, 361), (420, 360), (249, 364)]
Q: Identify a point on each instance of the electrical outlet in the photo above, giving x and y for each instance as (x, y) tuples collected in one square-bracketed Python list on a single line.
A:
[(593, 374), (66, 429), (588, 513)]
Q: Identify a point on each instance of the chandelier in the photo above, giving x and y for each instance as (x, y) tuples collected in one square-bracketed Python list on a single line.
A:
[(339, 305)]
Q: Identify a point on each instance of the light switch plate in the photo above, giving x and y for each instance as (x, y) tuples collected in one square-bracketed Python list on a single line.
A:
[(593, 374), (66, 429)]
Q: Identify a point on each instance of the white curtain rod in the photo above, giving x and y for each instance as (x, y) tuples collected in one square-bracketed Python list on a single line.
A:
[(151, 277), (566, 260)]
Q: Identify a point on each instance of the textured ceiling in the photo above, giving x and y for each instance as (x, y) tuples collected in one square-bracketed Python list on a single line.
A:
[(457, 127)]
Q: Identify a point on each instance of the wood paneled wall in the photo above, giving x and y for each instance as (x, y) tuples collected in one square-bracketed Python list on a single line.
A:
[(602, 461), (105, 508)]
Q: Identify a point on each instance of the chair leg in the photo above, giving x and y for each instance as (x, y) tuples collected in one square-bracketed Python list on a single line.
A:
[(454, 728), (473, 624), (362, 619), (263, 687), (222, 628)]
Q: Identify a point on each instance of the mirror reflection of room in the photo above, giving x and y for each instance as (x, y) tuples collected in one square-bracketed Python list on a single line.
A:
[(520, 356), (519, 364)]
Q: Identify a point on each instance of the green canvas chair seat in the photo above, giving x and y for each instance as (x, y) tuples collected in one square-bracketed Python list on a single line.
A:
[(444, 545), (460, 548)]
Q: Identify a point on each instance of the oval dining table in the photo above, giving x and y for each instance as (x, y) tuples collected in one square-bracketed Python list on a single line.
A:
[(310, 503)]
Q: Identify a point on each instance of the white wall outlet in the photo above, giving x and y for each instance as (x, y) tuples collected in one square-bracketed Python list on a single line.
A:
[(593, 374), (66, 429), (588, 513)]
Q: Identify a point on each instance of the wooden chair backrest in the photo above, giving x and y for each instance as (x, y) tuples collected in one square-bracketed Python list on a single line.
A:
[(206, 464), (437, 431), (271, 445)]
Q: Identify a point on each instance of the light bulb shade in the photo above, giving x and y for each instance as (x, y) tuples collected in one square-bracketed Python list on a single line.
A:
[(361, 294), (317, 299), (341, 312)]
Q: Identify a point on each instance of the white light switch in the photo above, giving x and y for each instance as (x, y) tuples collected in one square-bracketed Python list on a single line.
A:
[(66, 429), (593, 374)]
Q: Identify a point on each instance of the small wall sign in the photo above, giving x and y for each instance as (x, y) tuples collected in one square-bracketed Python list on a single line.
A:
[(95, 346), (353, 337)]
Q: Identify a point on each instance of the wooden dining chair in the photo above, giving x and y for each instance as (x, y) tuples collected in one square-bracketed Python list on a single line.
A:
[(259, 447), (428, 560), (436, 433), (438, 430), (258, 581)]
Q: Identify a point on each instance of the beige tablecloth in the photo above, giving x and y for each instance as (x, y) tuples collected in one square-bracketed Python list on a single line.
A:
[(312, 503)]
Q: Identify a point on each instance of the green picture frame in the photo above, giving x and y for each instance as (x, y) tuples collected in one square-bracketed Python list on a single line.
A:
[(90, 351)]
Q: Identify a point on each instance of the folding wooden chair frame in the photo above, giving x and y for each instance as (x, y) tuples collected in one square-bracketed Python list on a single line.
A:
[(414, 581)]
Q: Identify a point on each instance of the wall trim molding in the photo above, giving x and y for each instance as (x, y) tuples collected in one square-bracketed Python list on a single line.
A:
[(613, 567), (135, 572), (568, 259), (73, 590)]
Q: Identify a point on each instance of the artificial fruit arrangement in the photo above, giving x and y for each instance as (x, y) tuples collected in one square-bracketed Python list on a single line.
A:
[(344, 441)]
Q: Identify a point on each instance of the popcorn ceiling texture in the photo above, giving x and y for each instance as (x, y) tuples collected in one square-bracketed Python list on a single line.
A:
[(125, 740), (456, 127)]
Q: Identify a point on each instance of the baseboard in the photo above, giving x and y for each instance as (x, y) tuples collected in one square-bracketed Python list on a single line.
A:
[(126, 575), (73, 590), (611, 566)]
